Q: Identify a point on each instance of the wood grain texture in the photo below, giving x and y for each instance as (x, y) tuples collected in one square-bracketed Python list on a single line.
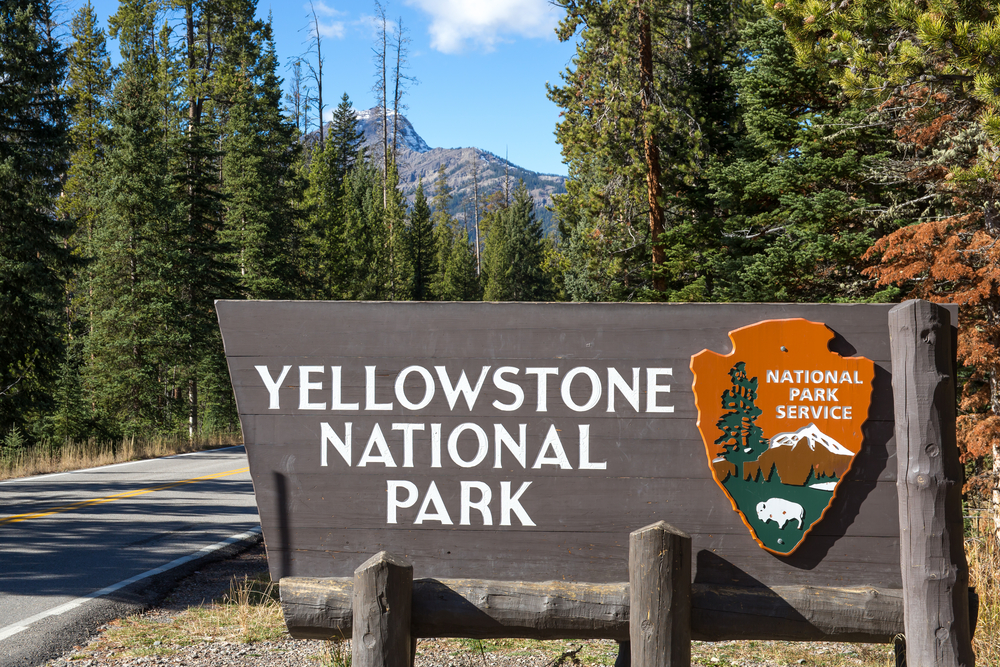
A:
[(381, 601), (321, 609), (324, 520), (659, 577), (929, 481)]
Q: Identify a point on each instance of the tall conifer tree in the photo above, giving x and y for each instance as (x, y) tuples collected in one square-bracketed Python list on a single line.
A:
[(514, 258), (647, 101), (33, 254), (135, 337), (89, 85), (420, 247), (260, 183)]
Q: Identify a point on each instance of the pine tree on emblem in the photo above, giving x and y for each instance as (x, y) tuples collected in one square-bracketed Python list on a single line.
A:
[(741, 438)]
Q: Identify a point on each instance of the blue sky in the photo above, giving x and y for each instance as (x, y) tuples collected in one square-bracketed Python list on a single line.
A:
[(481, 67)]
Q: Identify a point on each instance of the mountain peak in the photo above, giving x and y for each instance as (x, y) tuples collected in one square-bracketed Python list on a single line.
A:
[(797, 455), (813, 436), (467, 170), (370, 120)]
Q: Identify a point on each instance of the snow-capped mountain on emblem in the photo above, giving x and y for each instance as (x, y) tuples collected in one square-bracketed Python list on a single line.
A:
[(814, 436), (806, 456)]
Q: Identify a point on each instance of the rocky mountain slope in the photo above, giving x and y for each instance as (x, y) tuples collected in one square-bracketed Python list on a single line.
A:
[(417, 161)]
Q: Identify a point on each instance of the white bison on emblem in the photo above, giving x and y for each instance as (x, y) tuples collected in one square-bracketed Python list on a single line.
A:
[(780, 510)]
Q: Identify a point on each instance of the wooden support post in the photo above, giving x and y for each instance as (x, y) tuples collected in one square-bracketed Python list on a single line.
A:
[(932, 555), (659, 573), (383, 591), (624, 658)]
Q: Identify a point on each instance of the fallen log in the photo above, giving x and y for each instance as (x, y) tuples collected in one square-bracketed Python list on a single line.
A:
[(480, 609)]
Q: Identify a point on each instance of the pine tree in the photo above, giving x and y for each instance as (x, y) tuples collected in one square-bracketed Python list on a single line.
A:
[(460, 282), (135, 336), (742, 440), (34, 259), (364, 236), (796, 189), (89, 85), (70, 418), (323, 256), (260, 183), (515, 255), (420, 247), (444, 232), (647, 101), (347, 137)]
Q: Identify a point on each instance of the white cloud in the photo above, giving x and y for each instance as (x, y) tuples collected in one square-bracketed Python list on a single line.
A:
[(457, 23), (325, 15)]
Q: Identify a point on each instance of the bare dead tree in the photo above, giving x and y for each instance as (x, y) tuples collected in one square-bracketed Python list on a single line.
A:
[(400, 80), (296, 94), (475, 206), (381, 90), (316, 72)]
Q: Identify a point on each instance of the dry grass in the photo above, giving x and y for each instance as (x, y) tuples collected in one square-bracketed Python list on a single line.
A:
[(45, 459), (983, 553), (249, 613), (729, 654)]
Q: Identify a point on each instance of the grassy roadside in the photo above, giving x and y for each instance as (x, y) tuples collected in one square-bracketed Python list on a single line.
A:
[(44, 459), (247, 621)]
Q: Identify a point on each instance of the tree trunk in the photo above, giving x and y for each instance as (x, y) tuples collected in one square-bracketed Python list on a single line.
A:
[(193, 400), (652, 151)]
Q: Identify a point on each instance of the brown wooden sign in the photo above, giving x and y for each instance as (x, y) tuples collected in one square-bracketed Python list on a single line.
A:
[(526, 441)]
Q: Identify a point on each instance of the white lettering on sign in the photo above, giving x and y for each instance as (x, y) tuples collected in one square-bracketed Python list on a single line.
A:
[(514, 446), (379, 449), (272, 385), (403, 494), (313, 379), (812, 377), (462, 387), (814, 412), (653, 388)]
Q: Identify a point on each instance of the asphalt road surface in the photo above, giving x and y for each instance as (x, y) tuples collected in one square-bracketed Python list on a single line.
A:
[(80, 548)]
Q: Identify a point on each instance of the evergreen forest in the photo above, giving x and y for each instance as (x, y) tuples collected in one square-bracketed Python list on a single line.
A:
[(717, 151)]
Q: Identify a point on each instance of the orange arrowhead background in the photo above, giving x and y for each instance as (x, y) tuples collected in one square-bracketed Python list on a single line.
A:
[(779, 346)]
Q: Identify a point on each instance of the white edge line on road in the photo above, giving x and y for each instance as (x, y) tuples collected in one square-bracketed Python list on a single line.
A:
[(15, 628), (115, 465)]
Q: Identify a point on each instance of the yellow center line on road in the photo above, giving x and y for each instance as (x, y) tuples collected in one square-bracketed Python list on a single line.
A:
[(118, 496)]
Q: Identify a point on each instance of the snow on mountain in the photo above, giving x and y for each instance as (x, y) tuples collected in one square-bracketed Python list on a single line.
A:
[(813, 437), (371, 125)]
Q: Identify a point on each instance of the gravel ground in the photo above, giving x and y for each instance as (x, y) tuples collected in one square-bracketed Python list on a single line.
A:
[(213, 581)]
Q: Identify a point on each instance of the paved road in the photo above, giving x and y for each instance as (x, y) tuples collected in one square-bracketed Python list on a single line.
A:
[(72, 545)]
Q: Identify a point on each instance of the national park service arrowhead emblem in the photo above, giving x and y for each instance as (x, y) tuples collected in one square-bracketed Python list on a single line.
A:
[(781, 419)]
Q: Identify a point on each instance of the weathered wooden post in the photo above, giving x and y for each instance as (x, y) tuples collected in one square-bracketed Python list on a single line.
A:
[(659, 574), (934, 569), (383, 591)]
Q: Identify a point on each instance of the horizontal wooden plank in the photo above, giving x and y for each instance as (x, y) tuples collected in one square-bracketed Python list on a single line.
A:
[(633, 449), (469, 330), (321, 609), (553, 503), (730, 560)]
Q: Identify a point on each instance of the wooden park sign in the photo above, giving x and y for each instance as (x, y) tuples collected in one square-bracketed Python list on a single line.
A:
[(498, 446)]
